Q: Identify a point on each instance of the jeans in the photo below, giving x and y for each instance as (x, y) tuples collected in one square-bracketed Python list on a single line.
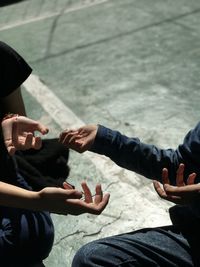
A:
[(150, 247), (26, 237)]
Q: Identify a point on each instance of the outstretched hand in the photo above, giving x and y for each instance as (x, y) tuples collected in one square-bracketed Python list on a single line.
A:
[(18, 133), (181, 193), (81, 139), (71, 201)]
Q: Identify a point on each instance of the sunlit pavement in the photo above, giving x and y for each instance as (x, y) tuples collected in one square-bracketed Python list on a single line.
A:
[(131, 65)]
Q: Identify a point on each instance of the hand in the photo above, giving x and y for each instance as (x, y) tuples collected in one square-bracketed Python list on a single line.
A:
[(69, 201), (18, 133), (88, 204), (79, 140), (180, 194)]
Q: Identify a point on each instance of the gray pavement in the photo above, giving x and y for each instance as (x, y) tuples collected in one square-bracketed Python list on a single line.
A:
[(132, 65)]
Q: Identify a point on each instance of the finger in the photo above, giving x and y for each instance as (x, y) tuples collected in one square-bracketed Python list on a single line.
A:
[(87, 192), (62, 135), (191, 178), (42, 129), (171, 190), (72, 139), (179, 175), (182, 190), (69, 136), (99, 194), (32, 125), (165, 176), (83, 207), (37, 142), (24, 142), (66, 134), (28, 141), (162, 194), (67, 185), (101, 206), (159, 190)]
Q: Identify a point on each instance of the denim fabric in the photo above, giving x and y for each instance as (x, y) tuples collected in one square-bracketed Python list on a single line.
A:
[(25, 237), (149, 160), (177, 245), (151, 247)]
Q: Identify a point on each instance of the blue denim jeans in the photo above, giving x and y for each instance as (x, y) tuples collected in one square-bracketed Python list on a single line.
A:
[(150, 247), (26, 237)]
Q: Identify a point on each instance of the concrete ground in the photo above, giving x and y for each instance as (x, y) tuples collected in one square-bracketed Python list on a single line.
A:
[(132, 65)]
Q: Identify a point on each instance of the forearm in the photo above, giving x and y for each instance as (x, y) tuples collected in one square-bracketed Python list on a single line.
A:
[(16, 197), (130, 153)]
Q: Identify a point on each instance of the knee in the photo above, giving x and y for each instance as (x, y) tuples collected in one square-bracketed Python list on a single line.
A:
[(86, 255), (81, 257)]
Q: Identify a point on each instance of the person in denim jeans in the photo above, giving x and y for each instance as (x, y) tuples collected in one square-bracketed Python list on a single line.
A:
[(179, 171)]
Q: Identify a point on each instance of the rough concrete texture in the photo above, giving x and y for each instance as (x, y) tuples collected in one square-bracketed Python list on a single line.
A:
[(132, 65)]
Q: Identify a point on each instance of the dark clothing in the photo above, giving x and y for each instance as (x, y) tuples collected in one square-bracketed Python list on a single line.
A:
[(26, 237), (13, 70), (149, 160), (32, 164), (176, 245), (45, 167), (149, 247)]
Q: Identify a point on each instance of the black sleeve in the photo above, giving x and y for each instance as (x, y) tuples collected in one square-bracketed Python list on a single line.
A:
[(13, 70)]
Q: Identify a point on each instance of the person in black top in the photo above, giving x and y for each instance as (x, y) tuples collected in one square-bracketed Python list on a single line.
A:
[(26, 228)]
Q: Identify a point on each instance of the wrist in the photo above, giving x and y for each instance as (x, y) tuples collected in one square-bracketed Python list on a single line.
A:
[(32, 200)]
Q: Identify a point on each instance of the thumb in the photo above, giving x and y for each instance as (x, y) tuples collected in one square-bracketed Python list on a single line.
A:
[(73, 194)]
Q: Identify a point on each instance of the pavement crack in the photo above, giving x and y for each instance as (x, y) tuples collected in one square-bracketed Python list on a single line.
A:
[(103, 226), (52, 30), (110, 184), (66, 236)]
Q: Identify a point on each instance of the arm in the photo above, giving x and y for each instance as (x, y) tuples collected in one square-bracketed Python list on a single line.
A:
[(56, 200), (128, 153), (132, 154)]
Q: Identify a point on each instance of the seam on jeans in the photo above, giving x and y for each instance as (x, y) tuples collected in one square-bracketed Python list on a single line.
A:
[(125, 262)]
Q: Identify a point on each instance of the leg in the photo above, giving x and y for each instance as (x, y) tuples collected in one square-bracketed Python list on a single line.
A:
[(26, 237), (156, 247)]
